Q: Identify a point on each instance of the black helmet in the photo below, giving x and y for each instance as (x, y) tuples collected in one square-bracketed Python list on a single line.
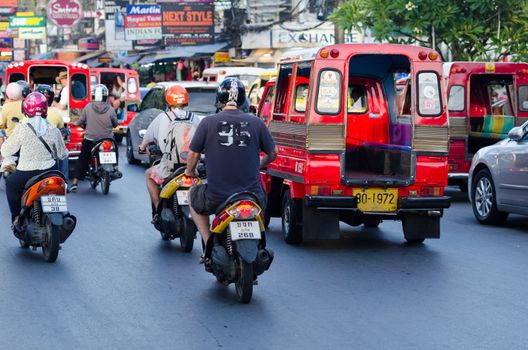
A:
[(99, 93), (47, 91), (231, 92), (26, 89)]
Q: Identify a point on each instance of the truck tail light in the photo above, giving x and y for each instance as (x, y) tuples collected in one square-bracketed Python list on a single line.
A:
[(431, 191), (320, 191), (334, 53)]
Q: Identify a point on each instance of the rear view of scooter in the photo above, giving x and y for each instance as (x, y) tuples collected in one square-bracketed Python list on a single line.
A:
[(103, 164), (44, 220), (239, 251)]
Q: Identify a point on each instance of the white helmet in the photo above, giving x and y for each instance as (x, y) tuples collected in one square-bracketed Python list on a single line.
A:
[(14, 91)]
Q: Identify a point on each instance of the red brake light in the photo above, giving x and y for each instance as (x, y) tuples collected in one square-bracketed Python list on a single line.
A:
[(224, 215), (51, 182), (422, 55), (334, 53), (107, 146)]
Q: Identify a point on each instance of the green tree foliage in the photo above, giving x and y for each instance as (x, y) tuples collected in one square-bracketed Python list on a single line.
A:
[(468, 29)]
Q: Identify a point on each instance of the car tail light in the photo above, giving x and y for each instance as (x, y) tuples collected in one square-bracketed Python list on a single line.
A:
[(431, 191), (244, 210), (106, 146)]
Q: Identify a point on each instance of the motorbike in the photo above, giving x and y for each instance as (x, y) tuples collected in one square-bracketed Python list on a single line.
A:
[(174, 216), (103, 164), (44, 220), (238, 241)]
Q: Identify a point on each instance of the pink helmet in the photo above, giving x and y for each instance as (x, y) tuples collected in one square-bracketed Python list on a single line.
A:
[(35, 104)]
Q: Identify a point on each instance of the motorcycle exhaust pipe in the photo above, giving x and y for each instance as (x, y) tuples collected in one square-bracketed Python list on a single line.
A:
[(263, 260), (116, 175), (67, 227)]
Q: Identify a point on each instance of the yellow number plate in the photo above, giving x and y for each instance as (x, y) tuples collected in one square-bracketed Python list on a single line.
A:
[(377, 199)]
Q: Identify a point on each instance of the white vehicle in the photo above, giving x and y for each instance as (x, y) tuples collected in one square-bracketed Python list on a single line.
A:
[(246, 74)]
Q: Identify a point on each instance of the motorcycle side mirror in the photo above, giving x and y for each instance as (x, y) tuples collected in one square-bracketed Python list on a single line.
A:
[(142, 133)]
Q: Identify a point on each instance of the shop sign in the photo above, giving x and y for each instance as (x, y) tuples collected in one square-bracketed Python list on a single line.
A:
[(19, 55), (19, 43), (25, 14), (4, 26), (27, 22), (309, 38), (143, 22), (6, 12), (35, 33), (88, 44), (222, 57), (6, 49), (188, 23), (65, 13), (9, 3)]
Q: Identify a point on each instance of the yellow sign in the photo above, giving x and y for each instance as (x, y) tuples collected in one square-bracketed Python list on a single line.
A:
[(4, 26), (490, 67), (25, 14), (222, 57), (377, 199)]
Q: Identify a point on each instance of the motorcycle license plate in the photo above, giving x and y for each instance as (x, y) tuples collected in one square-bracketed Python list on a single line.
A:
[(107, 158), (183, 197), (377, 199), (54, 204), (244, 230)]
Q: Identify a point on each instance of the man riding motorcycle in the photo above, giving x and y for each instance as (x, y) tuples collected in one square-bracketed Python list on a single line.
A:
[(39, 144), (232, 141), (98, 119), (172, 132)]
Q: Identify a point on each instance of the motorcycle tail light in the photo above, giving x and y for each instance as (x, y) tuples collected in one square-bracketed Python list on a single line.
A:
[(431, 191), (220, 219), (244, 210), (106, 146), (186, 181), (52, 184)]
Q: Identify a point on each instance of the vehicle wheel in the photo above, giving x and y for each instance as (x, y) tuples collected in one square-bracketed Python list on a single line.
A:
[(165, 236), (188, 235), (484, 200), (291, 219), (93, 184), (463, 187), (130, 151), (267, 216), (244, 282), (50, 247), (105, 182), (371, 222), (414, 241), (118, 138)]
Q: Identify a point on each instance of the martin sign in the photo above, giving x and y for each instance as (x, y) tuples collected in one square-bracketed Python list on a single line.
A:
[(64, 13), (143, 22)]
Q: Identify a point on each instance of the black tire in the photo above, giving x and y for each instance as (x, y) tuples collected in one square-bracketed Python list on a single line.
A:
[(244, 282), (414, 241), (371, 222), (130, 151), (118, 138), (105, 182), (291, 219), (23, 244), (484, 200), (50, 248), (267, 216), (93, 184), (188, 235)]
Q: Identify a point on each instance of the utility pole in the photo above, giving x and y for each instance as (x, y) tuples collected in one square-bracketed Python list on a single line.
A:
[(339, 32)]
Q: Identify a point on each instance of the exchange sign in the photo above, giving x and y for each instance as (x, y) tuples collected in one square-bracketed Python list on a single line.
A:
[(143, 22), (188, 23)]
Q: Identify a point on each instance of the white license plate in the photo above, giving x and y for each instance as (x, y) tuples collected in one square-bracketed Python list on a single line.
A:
[(183, 197), (107, 158), (244, 230), (54, 204)]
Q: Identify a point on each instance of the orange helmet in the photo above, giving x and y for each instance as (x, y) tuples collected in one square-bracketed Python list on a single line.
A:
[(177, 96)]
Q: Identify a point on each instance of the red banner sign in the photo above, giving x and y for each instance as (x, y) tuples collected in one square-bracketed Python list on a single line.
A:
[(188, 24)]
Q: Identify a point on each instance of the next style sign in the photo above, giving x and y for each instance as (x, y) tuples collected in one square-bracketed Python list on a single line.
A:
[(310, 38)]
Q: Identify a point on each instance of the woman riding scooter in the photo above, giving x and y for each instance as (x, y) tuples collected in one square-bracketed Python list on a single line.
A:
[(39, 143)]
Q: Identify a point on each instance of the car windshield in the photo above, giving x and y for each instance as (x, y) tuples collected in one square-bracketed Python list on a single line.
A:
[(202, 101)]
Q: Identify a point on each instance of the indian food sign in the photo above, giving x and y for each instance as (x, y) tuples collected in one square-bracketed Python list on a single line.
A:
[(143, 22)]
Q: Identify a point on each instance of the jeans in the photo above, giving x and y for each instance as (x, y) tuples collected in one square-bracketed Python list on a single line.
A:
[(64, 167)]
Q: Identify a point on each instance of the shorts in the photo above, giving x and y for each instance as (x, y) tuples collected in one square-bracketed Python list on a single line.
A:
[(155, 176), (199, 201)]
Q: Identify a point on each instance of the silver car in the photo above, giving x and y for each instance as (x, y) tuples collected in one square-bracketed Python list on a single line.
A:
[(498, 178)]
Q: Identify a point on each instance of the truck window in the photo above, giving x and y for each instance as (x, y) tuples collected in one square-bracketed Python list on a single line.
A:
[(132, 85), (329, 92), (78, 86), (301, 97), (429, 98), (457, 97), (13, 78), (357, 99), (523, 98), (301, 92), (265, 110), (283, 83)]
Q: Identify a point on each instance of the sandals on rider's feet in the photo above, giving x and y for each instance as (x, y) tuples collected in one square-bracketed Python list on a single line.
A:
[(73, 188)]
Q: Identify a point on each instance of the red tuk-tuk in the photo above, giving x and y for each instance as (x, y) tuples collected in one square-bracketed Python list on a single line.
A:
[(347, 151), (45, 72), (127, 81), (485, 100)]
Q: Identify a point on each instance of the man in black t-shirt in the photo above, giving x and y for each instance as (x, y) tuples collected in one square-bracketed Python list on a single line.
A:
[(232, 141)]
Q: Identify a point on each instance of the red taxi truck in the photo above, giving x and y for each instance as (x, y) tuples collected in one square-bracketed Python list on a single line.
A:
[(485, 100), (348, 151), (122, 82), (45, 72)]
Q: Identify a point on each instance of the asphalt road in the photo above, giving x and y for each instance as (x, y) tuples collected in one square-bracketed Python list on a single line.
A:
[(117, 285)]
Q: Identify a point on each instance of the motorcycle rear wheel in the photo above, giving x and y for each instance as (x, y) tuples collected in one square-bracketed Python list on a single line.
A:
[(105, 182), (51, 246), (188, 235), (244, 282)]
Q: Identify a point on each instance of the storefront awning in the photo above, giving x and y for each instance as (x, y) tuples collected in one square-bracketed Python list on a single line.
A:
[(182, 52), (89, 56)]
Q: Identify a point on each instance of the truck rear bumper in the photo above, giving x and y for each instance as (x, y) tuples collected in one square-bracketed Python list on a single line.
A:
[(425, 203), (331, 202)]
